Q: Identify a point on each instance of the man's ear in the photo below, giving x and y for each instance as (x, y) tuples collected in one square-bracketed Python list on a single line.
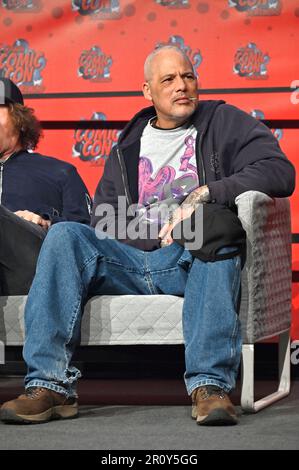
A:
[(146, 91)]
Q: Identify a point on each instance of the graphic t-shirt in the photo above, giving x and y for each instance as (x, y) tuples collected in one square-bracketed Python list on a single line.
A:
[(167, 169)]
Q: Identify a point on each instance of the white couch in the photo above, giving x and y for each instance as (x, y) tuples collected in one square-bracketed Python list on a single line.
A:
[(265, 309)]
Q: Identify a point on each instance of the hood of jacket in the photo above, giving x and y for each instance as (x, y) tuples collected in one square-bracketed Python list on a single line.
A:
[(201, 119)]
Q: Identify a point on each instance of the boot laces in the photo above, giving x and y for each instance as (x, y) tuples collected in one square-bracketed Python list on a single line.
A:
[(210, 390), (33, 392)]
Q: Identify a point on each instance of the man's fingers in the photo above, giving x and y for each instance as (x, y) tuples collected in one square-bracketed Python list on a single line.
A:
[(45, 223), (164, 230), (19, 213), (166, 241), (30, 216), (36, 219), (27, 215), (165, 236)]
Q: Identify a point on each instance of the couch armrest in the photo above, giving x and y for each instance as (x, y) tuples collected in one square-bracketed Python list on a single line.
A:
[(265, 308)]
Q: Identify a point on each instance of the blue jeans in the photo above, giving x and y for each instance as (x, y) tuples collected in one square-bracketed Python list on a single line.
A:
[(74, 265)]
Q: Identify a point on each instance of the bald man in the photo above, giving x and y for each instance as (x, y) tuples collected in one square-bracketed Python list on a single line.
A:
[(176, 163)]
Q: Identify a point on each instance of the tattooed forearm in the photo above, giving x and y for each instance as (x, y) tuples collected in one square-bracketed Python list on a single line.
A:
[(197, 196), (185, 210)]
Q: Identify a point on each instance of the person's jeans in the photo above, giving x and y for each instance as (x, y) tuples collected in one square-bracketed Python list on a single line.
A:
[(74, 265)]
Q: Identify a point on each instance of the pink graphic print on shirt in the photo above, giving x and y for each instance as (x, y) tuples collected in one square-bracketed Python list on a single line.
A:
[(189, 152), (165, 184)]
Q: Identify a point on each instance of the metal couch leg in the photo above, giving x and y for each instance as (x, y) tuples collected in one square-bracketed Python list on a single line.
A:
[(2, 352), (247, 395)]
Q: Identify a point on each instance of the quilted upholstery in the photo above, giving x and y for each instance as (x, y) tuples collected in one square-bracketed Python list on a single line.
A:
[(265, 300), (267, 276)]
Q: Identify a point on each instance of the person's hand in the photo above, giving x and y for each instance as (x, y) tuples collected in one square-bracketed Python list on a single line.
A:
[(186, 209), (176, 217), (35, 218)]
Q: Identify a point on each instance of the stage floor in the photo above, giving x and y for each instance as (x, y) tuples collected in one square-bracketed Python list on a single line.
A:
[(152, 414)]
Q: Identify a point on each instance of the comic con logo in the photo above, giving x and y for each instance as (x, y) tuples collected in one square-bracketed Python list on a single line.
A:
[(94, 65), (258, 114), (22, 5), (104, 9), (257, 7), (22, 64), (94, 145), (251, 62), (174, 3), (193, 54)]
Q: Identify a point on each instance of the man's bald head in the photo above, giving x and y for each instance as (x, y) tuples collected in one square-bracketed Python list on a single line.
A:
[(162, 50), (170, 85)]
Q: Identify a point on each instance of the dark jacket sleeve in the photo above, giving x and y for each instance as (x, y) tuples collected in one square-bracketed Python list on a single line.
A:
[(251, 158), (76, 201)]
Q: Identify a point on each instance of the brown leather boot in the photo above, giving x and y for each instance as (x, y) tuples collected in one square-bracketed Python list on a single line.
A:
[(211, 406), (38, 405)]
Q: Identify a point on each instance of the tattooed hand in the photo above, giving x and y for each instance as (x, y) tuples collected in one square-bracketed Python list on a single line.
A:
[(188, 206)]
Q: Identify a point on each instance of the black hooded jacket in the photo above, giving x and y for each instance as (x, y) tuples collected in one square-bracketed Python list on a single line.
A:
[(234, 153)]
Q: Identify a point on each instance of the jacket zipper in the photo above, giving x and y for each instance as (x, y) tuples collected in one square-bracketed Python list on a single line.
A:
[(1, 173), (120, 160), (203, 171), (1, 180)]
